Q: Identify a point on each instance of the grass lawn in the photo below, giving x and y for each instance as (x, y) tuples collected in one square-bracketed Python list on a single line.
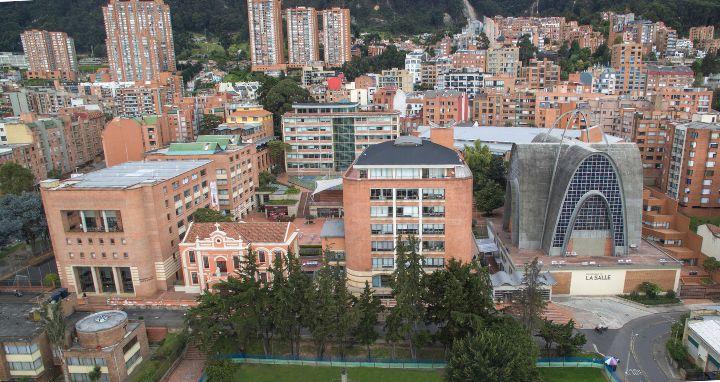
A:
[(698, 221), (276, 373), (570, 374)]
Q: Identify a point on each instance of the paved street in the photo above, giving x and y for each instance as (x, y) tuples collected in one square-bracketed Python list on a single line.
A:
[(640, 346)]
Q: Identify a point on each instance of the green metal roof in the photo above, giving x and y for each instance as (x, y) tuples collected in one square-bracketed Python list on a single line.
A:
[(221, 140), (193, 148), (147, 119)]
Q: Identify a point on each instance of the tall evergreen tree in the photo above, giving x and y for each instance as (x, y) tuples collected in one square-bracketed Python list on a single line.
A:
[(455, 291), (405, 320), (321, 309), (346, 311), (368, 307), (529, 302), (499, 353), (291, 291)]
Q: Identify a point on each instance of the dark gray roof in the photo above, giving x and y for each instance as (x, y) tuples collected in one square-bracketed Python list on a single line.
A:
[(333, 228), (406, 151)]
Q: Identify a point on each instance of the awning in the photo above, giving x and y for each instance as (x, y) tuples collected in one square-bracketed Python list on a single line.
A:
[(324, 185)]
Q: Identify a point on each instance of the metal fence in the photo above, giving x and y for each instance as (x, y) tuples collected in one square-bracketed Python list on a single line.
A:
[(596, 363), (337, 362)]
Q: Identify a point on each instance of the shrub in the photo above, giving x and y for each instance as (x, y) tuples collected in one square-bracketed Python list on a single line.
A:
[(651, 290), (670, 294)]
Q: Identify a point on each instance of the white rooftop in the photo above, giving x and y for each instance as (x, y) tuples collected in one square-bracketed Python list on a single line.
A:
[(500, 139), (709, 331), (131, 174)]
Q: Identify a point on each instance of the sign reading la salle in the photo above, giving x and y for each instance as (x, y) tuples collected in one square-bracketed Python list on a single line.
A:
[(598, 276)]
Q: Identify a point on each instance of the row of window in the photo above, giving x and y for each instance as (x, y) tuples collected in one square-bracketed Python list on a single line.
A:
[(79, 361), (104, 255), (406, 211), (35, 365), (407, 193), (91, 241), (407, 229), (20, 348), (403, 173), (389, 245)]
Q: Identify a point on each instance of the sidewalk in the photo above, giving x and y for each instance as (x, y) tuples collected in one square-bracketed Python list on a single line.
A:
[(189, 370)]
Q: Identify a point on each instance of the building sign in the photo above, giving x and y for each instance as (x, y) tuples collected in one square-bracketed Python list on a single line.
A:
[(596, 282), (598, 276)]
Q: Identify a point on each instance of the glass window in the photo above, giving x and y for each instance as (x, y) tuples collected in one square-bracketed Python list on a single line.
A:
[(382, 246), (383, 262)]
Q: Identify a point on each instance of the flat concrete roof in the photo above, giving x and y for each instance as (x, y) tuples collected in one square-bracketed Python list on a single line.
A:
[(645, 256), (101, 321), (131, 174), (500, 139)]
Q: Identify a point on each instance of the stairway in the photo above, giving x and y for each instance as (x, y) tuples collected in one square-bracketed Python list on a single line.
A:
[(193, 353)]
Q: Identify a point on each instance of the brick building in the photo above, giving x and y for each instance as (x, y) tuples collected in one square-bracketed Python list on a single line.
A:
[(302, 36), (115, 231), (50, 55), (212, 251), (444, 107), (626, 59), (266, 35), (690, 173), (233, 163), (405, 187), (336, 36), (326, 138), (139, 39), (110, 340)]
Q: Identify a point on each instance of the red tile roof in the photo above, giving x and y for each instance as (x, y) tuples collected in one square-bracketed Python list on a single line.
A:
[(253, 232)]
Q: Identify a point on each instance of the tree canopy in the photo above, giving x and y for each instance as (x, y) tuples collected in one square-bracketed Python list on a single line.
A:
[(207, 215), (278, 96), (15, 179), (499, 352), (22, 218), (488, 177)]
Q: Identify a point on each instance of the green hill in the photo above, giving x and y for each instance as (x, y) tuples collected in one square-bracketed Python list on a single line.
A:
[(227, 19)]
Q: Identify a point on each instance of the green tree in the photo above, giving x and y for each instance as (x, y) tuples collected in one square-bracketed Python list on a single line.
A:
[(711, 264), (406, 317), (529, 301), (368, 307), (208, 215), (51, 279), (221, 371), (650, 289), (498, 353), (453, 293), (277, 150), (321, 309), (15, 179), (55, 173), (483, 41), (489, 196), (601, 55), (56, 330), (279, 97), (95, 374), (209, 322), (209, 123), (527, 49), (265, 179), (290, 287), (488, 177), (22, 218), (347, 314), (569, 342)]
